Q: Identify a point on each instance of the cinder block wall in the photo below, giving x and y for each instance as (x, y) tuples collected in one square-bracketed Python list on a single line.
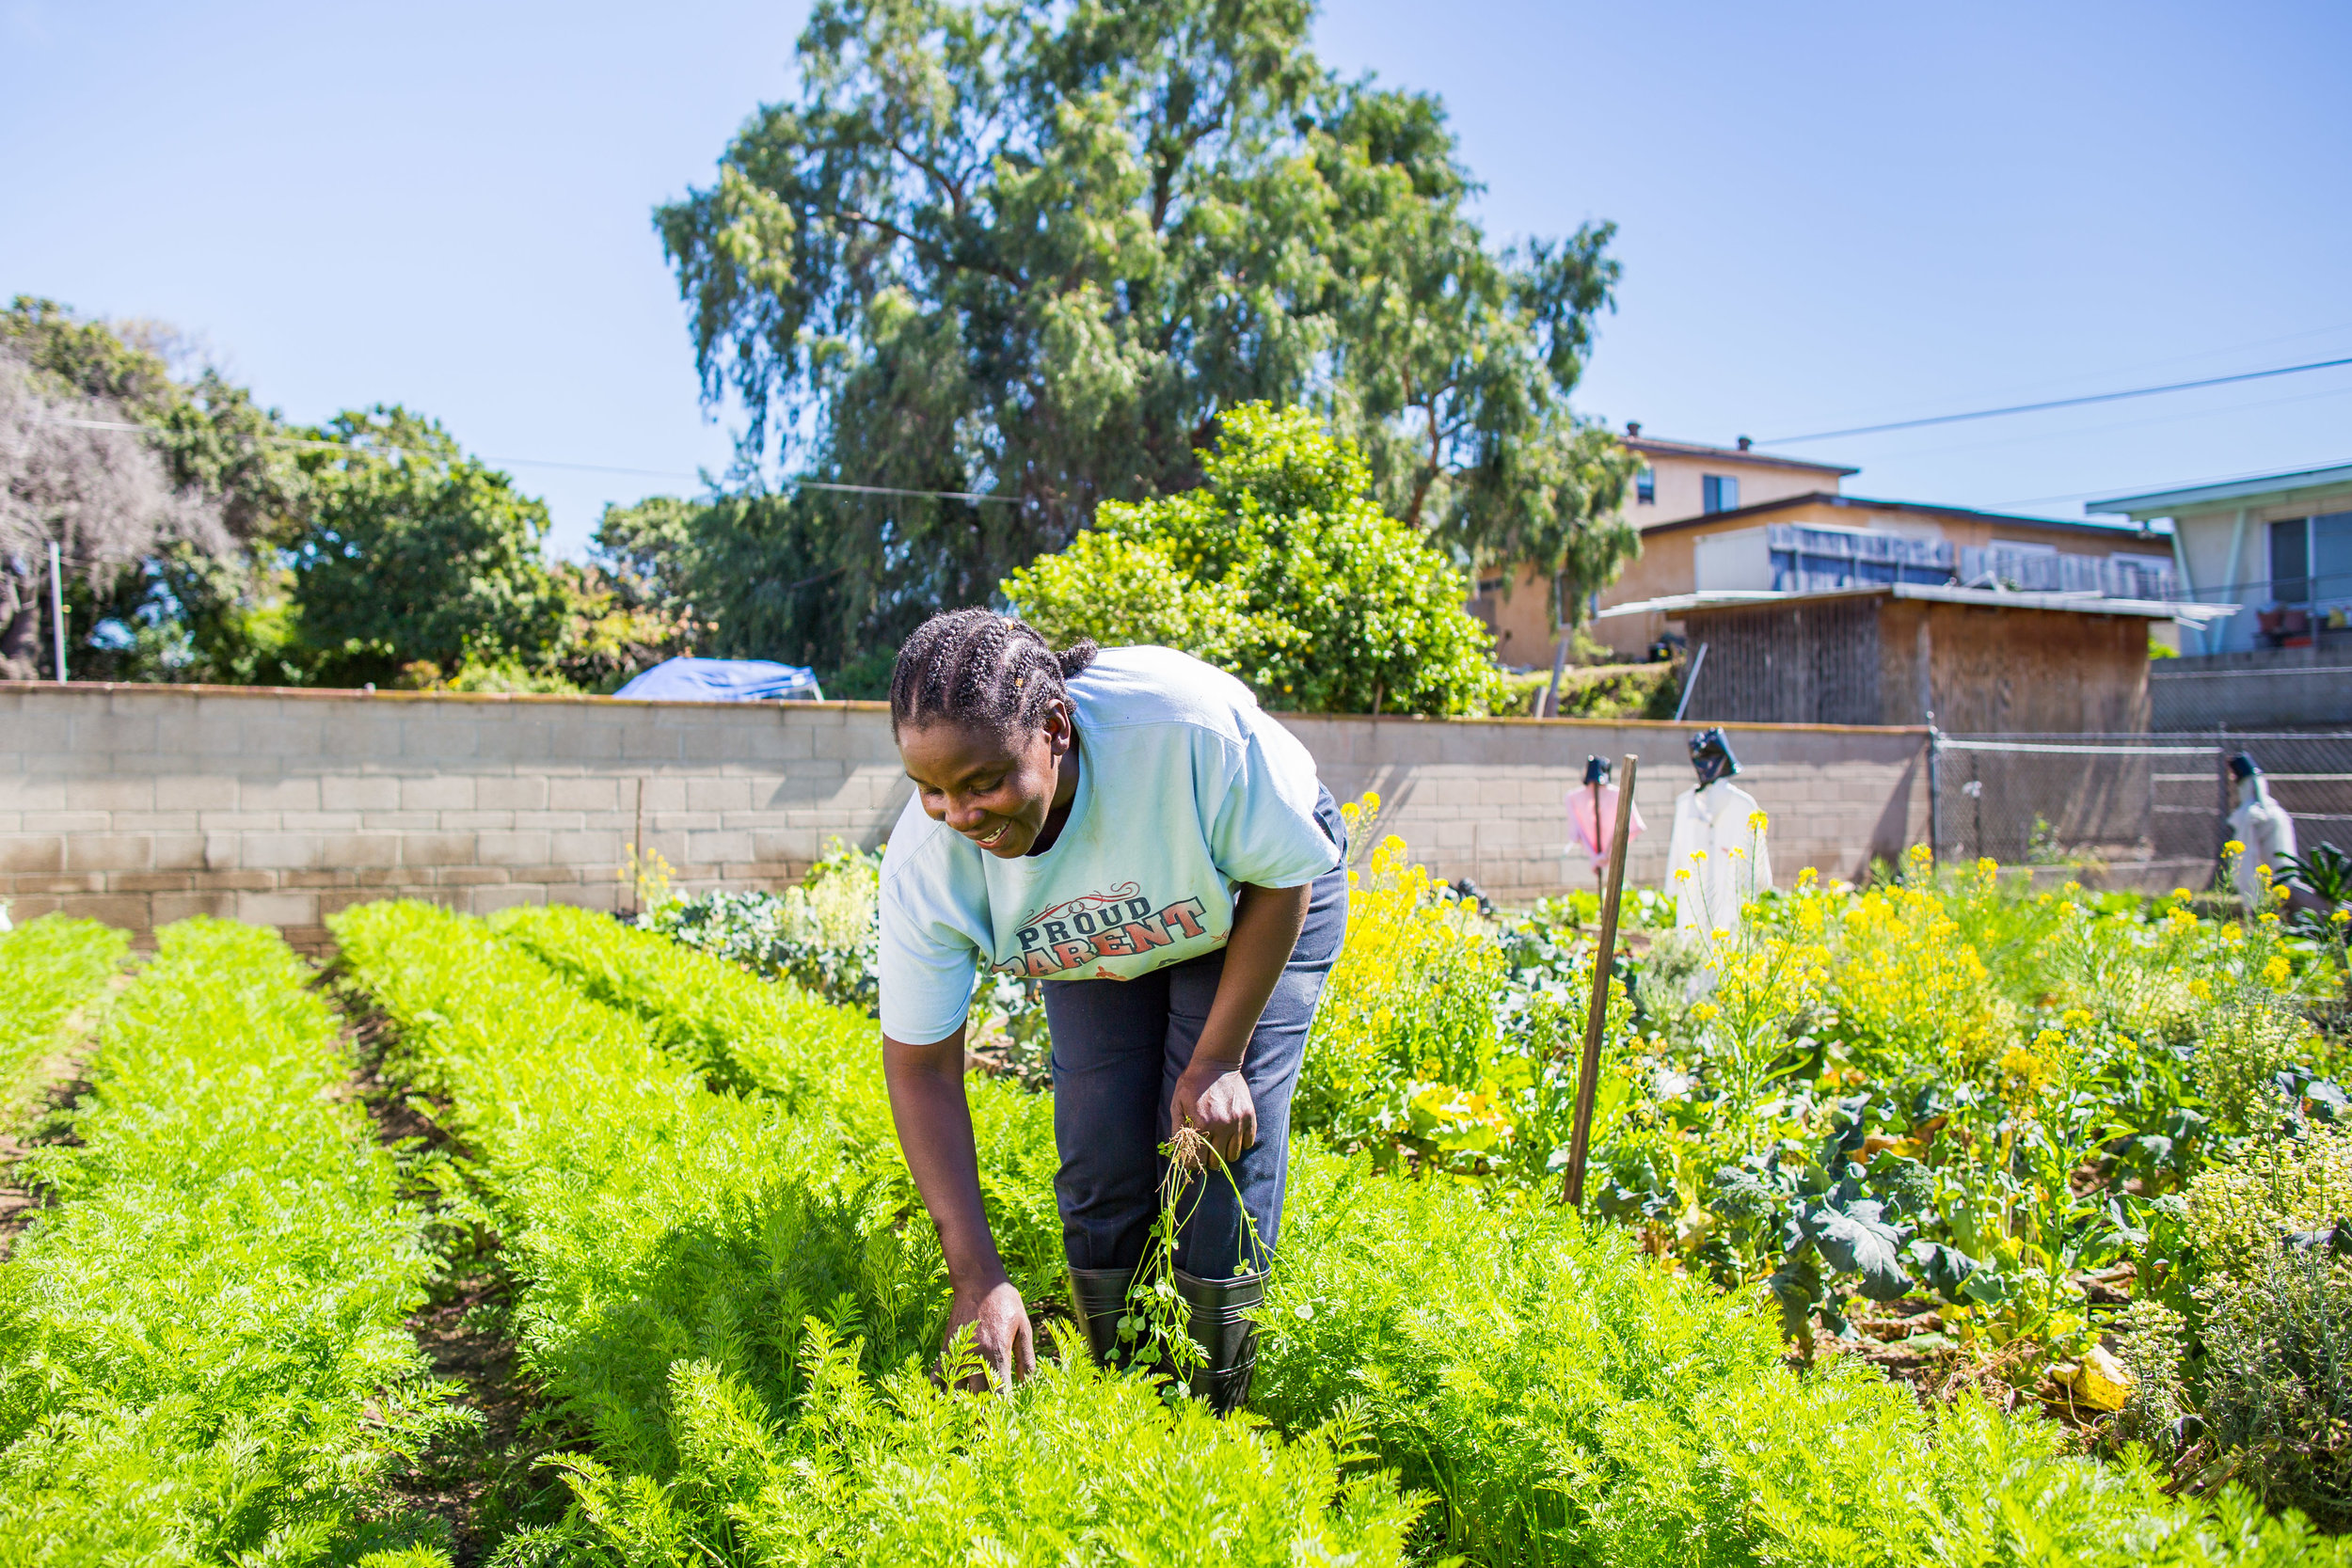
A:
[(140, 804), (1486, 798)]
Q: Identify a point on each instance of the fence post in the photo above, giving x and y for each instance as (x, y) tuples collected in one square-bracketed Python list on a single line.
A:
[(1935, 791), (2221, 778)]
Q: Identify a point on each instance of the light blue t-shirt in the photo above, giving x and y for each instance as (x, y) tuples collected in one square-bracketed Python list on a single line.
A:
[(1185, 790)]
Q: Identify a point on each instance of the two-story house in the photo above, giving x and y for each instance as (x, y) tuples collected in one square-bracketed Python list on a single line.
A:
[(1731, 520), (2278, 546), (1678, 481)]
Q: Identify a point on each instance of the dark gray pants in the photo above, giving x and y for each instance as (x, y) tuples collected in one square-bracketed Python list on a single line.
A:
[(1119, 1047)]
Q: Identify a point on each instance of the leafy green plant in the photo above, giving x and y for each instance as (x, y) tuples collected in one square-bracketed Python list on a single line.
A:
[(718, 1293), (1155, 1331), (49, 968), (2326, 870), (825, 934), (206, 1356), (775, 1041), (1071, 1466), (702, 1271), (1567, 1400)]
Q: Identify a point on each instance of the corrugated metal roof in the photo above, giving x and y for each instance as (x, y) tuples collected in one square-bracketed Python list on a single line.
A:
[(1988, 598)]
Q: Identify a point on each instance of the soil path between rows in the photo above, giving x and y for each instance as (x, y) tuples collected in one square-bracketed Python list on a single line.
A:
[(479, 1482)]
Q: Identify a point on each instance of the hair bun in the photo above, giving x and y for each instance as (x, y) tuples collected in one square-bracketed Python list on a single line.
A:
[(1078, 656)]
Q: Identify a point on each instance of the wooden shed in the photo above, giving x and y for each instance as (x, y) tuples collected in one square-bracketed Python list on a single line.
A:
[(1981, 661)]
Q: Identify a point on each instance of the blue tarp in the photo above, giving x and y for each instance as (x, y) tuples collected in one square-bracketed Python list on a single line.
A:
[(723, 680)]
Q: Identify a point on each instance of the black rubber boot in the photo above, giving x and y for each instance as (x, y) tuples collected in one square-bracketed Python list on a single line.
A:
[(1099, 1298), (1221, 1324)]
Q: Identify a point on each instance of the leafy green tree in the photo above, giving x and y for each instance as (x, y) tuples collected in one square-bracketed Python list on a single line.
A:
[(1034, 251), (1280, 567), (416, 555)]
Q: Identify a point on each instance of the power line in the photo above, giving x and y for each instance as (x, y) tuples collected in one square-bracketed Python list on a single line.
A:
[(2055, 402), (348, 448), (2156, 489), (2058, 434)]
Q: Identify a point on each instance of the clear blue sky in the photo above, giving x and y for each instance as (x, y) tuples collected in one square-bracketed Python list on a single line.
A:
[(1830, 214)]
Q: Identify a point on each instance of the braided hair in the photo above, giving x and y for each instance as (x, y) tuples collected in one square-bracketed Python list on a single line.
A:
[(977, 668)]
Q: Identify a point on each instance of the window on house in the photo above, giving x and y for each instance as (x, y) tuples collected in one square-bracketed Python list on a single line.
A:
[(2291, 560), (1645, 485), (2331, 557), (1719, 493)]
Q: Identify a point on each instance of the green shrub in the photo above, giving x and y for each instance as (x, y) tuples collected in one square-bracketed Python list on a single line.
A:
[(49, 968), (1281, 568), (205, 1356), (2263, 1189), (2277, 1381)]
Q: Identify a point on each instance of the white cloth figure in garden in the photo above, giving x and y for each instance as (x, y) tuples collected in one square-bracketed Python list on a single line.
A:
[(2262, 826), (1717, 840)]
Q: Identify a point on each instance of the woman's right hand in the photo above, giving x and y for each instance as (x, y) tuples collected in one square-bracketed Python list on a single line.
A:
[(934, 1126), (1001, 1334)]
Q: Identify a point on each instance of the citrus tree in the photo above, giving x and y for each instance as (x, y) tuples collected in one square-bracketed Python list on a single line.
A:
[(1281, 568)]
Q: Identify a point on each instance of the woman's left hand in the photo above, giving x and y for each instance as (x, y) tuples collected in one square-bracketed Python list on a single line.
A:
[(1213, 1099)]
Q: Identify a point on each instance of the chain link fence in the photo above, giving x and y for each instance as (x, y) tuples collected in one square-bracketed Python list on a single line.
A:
[(2146, 810), (2251, 692)]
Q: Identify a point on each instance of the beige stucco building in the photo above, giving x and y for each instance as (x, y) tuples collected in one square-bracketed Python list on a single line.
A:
[(1680, 480)]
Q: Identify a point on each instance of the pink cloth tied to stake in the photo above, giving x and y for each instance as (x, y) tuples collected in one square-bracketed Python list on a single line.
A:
[(1594, 821)]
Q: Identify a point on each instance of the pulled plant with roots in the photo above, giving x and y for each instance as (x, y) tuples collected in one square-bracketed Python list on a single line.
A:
[(1155, 1332)]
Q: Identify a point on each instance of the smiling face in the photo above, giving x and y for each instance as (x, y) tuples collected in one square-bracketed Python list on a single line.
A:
[(995, 790)]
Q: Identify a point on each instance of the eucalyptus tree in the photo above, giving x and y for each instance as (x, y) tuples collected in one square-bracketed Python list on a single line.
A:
[(1022, 254)]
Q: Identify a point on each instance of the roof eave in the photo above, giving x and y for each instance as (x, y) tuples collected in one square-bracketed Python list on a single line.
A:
[(2161, 503), (1699, 449)]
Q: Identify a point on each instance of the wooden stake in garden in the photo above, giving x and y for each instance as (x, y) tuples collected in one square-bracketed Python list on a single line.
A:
[(1588, 1069)]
